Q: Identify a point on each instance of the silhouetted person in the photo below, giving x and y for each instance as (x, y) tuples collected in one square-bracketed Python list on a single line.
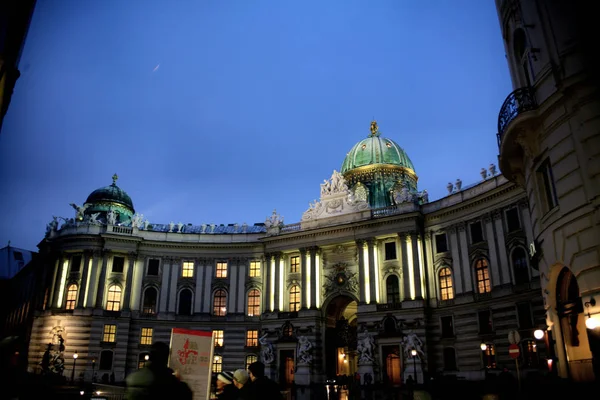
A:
[(241, 380), (226, 390), (156, 380), (262, 388)]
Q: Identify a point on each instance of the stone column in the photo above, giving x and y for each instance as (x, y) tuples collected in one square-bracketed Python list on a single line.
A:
[(51, 296), (313, 278), (138, 278), (57, 282), (243, 266), (505, 275), (84, 275), (164, 285), (175, 274), (304, 275), (416, 265), (431, 282), (102, 280), (277, 289), (372, 246), (232, 266), (93, 285), (456, 268), (405, 272), (268, 288), (209, 271), (132, 257), (361, 271), (494, 260), (199, 292), (465, 262)]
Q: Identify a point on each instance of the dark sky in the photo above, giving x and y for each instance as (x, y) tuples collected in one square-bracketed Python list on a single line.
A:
[(219, 111)]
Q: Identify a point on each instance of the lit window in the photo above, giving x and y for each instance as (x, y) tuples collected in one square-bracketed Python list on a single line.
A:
[(146, 338), (142, 360), (254, 269), (530, 357), (110, 333), (251, 359), (446, 289), (252, 338), (483, 276), (217, 364), (295, 298), (489, 356), (253, 303), (71, 297), (218, 338), (187, 269), (113, 302), (220, 303), (295, 264), (221, 270)]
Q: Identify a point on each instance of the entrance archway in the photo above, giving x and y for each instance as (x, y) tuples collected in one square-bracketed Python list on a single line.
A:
[(340, 336)]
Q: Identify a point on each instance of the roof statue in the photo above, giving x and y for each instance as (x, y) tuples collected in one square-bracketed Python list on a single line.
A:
[(114, 178), (374, 128)]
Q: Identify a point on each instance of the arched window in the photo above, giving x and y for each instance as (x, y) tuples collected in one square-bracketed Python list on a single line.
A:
[(185, 302), (253, 303), (71, 297), (113, 302), (250, 358), (450, 359), (143, 358), (446, 285), (295, 298), (519, 262), (482, 274), (106, 360), (389, 325), (220, 303), (288, 329), (150, 297), (392, 287)]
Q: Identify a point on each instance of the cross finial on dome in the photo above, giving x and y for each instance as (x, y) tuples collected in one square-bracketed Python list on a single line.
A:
[(114, 178), (374, 128)]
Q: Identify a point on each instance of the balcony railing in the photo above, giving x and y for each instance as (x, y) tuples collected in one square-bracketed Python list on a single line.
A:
[(518, 102)]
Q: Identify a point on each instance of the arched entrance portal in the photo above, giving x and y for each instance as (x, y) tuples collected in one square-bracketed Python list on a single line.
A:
[(340, 336)]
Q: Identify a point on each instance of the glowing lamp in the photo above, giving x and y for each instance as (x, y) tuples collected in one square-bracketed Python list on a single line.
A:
[(483, 346), (538, 334)]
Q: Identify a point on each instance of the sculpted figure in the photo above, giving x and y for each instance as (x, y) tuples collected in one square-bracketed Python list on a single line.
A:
[(366, 347), (179, 227), (412, 342), (304, 346), (266, 350), (93, 219), (111, 217), (274, 220), (171, 226), (79, 210), (146, 223)]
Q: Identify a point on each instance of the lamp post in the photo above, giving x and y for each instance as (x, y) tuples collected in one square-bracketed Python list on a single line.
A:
[(146, 358), (75, 355), (413, 352), (93, 368)]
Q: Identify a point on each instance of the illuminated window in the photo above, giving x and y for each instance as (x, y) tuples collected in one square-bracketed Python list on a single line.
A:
[(220, 303), (530, 355), (254, 269), (252, 338), (217, 364), (253, 303), (142, 360), (149, 305), (71, 297), (109, 333), (482, 274), (251, 358), (113, 302), (446, 289), (218, 337), (295, 298), (288, 329), (187, 269), (146, 338), (221, 270), (295, 264), (489, 356)]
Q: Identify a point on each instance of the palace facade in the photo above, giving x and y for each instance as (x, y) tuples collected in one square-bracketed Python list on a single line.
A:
[(372, 272)]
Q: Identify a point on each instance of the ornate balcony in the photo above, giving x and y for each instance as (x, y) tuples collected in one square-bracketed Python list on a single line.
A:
[(518, 102)]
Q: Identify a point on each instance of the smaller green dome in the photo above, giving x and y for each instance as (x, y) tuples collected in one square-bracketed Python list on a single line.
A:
[(376, 150), (111, 194)]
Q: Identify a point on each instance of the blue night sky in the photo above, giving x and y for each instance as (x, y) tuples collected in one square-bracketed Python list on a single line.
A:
[(214, 111)]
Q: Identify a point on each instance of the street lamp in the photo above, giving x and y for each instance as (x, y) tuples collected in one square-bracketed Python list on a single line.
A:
[(75, 355), (538, 334), (413, 352), (93, 368)]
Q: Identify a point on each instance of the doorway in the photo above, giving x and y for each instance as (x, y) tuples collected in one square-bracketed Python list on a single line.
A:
[(340, 337), (392, 373), (286, 368)]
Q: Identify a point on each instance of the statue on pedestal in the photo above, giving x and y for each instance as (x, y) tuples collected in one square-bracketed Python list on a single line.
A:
[(266, 350), (304, 347), (366, 348)]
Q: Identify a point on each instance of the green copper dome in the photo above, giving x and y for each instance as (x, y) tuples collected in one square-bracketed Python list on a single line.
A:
[(110, 197), (376, 149), (379, 168)]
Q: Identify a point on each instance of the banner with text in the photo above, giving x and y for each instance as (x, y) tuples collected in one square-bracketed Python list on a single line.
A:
[(191, 357)]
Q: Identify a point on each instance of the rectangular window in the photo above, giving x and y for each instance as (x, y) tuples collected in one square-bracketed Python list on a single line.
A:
[(109, 333), (546, 185), (187, 269), (295, 264), (18, 256), (390, 251), (489, 356), (252, 338), (524, 316), (512, 220), (485, 321), (118, 264), (218, 338), (217, 364), (153, 265), (441, 243), (476, 232), (221, 270), (254, 269), (251, 358), (530, 357), (447, 327), (146, 337), (75, 263)]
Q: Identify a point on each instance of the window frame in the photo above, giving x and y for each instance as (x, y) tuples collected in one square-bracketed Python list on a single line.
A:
[(294, 264), (446, 289), (109, 335), (295, 298), (482, 265), (187, 269), (220, 312), (113, 302), (221, 270), (254, 269), (145, 338), (71, 303), (252, 338)]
